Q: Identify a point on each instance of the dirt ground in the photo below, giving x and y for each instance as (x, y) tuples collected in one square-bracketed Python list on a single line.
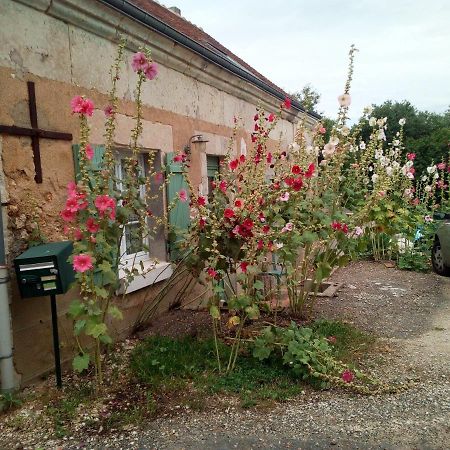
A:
[(410, 313)]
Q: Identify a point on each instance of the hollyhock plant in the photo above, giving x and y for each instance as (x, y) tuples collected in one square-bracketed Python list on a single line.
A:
[(82, 263)]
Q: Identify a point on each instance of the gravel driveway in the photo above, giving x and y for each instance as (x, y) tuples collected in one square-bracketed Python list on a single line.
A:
[(412, 313)]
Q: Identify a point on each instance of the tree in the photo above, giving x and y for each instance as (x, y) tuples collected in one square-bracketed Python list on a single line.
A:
[(308, 97)]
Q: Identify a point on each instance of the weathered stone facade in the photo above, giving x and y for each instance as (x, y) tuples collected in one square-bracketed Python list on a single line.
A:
[(66, 48)]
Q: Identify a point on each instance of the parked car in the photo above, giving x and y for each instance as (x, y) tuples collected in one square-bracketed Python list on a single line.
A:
[(440, 253)]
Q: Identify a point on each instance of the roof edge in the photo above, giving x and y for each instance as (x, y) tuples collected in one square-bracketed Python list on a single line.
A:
[(159, 26)]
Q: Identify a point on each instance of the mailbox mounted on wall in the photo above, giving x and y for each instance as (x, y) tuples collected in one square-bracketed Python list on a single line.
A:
[(44, 270)]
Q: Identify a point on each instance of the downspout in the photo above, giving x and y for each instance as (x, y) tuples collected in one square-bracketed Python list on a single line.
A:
[(7, 378)]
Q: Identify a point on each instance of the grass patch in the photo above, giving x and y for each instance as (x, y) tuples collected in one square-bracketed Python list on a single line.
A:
[(350, 342)]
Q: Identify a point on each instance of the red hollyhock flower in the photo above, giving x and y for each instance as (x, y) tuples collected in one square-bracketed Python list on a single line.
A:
[(223, 186), (287, 103), (228, 213), (242, 158), (201, 201), (345, 228), (248, 223), (233, 164), (296, 170), (269, 158), (336, 225), (310, 172), (201, 223), (271, 117), (347, 376), (261, 201), (261, 217), (411, 156), (238, 203), (243, 265), (256, 117), (211, 272), (254, 137), (260, 244), (297, 184), (256, 127), (276, 186), (289, 181), (265, 229)]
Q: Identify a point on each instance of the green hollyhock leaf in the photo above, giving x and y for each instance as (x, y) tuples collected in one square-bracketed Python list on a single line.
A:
[(79, 326), (81, 362), (214, 311), (76, 308), (115, 312), (96, 330)]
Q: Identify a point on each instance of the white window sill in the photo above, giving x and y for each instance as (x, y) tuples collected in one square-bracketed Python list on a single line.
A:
[(152, 273)]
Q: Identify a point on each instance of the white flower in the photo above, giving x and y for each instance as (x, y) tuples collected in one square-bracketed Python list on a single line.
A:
[(436, 176), (294, 146), (372, 121), (328, 150), (402, 122), (345, 130), (358, 231), (284, 197), (409, 164), (370, 169), (428, 188), (278, 245), (389, 171), (334, 140), (424, 178), (407, 193), (431, 169), (396, 142), (381, 135), (309, 149), (410, 175), (374, 178), (396, 165), (381, 121), (362, 145), (368, 110), (428, 219), (344, 100)]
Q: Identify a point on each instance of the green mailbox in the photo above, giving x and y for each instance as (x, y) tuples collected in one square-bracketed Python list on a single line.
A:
[(44, 269)]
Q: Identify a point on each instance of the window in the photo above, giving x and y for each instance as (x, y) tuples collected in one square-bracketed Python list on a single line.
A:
[(147, 253)]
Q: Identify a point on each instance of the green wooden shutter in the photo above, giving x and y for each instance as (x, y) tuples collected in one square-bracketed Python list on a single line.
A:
[(212, 165), (179, 215), (96, 162)]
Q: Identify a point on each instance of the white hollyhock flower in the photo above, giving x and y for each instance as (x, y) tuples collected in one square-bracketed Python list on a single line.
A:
[(407, 193), (431, 169), (368, 110), (328, 150), (381, 121), (344, 100), (436, 176), (372, 121), (345, 130), (410, 175), (389, 171), (402, 122), (409, 164), (424, 178), (374, 178), (334, 140), (294, 146), (396, 165), (362, 145), (428, 188), (381, 135), (309, 149), (396, 142)]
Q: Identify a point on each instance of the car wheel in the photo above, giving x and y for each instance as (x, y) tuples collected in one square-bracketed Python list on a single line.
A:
[(437, 260)]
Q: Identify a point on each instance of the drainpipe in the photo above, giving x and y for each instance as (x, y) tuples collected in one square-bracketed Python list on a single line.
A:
[(7, 383)]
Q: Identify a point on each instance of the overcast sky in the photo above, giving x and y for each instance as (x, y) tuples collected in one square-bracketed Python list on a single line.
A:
[(404, 46)]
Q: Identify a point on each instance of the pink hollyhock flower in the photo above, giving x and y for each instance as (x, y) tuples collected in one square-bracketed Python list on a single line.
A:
[(358, 231), (151, 71), (238, 203), (322, 130), (233, 164), (77, 234), (201, 201), (159, 177), (108, 111), (411, 156), (271, 117), (89, 152), (344, 100), (289, 226), (104, 202), (77, 104), (428, 219), (228, 213), (243, 265), (82, 262), (92, 226), (332, 339), (347, 376), (68, 216), (287, 103), (261, 217), (181, 157), (87, 107), (72, 204), (211, 272), (202, 223), (441, 166), (71, 188), (182, 195), (223, 186), (296, 170), (139, 62), (284, 197), (416, 201)]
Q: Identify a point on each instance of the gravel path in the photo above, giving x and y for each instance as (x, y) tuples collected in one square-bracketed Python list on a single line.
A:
[(412, 314)]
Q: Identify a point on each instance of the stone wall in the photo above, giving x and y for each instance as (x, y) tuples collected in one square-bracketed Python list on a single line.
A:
[(64, 60)]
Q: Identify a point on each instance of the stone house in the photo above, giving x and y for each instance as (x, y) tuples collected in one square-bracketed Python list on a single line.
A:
[(65, 48)]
